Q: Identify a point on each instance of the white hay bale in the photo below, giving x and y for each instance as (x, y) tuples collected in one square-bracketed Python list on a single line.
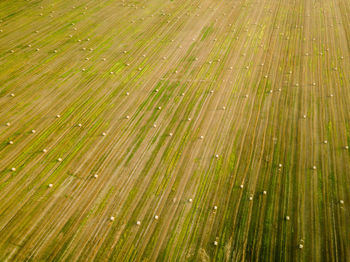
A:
[(241, 186), (304, 116), (224, 108), (190, 200), (50, 185), (44, 150), (246, 96), (8, 123), (33, 131), (314, 168), (287, 218), (159, 108), (264, 192), (182, 94), (211, 91), (215, 243), (280, 165), (59, 159), (138, 223), (250, 198), (103, 134), (346, 147), (216, 156), (95, 175), (201, 137), (13, 169), (80, 125), (111, 218), (341, 202), (301, 246), (156, 217), (127, 117), (215, 207), (325, 142), (58, 116), (127, 93), (189, 119), (13, 95), (170, 134)]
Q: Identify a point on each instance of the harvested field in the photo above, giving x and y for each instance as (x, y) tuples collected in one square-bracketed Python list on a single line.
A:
[(174, 130)]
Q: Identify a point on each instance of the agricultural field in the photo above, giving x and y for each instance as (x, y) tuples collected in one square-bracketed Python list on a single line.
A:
[(174, 130)]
